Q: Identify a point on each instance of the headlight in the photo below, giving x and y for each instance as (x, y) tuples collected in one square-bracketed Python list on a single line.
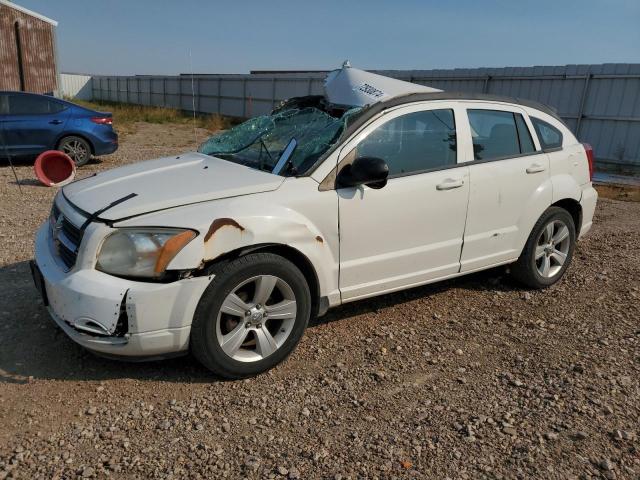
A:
[(141, 252)]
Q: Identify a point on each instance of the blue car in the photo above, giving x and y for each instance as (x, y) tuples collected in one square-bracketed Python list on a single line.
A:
[(31, 124)]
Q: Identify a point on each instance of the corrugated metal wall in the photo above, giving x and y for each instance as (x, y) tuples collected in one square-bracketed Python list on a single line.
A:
[(37, 44), (600, 103), (74, 85)]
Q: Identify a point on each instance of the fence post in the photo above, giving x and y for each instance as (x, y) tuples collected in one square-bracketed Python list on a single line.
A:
[(485, 87), (583, 99), (198, 88), (273, 93), (219, 96), (244, 98), (164, 92)]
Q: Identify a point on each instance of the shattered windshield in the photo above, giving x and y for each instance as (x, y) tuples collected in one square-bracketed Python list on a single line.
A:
[(260, 142)]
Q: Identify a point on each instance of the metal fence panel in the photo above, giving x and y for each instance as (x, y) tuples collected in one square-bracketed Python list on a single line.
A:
[(76, 86), (600, 103)]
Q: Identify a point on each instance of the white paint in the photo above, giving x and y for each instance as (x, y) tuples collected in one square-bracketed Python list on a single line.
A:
[(76, 86), (351, 86), (168, 182), (360, 241)]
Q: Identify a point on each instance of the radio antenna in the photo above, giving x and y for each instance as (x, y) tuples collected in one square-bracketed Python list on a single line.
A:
[(6, 152), (193, 101)]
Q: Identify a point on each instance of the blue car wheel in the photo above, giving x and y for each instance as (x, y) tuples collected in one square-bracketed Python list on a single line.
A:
[(77, 148)]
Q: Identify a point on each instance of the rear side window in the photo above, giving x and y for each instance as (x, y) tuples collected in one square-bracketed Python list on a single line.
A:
[(413, 142), (549, 136), (4, 104), (32, 105), (499, 134)]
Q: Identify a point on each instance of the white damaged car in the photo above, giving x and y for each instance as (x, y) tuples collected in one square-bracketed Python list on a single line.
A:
[(229, 251)]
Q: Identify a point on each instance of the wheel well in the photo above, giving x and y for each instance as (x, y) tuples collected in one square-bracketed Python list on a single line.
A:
[(67, 135), (575, 210), (294, 256)]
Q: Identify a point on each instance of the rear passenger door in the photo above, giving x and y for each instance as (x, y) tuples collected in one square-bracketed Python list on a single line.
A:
[(34, 123), (510, 185)]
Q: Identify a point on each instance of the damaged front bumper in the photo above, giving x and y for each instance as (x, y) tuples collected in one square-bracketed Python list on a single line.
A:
[(114, 316)]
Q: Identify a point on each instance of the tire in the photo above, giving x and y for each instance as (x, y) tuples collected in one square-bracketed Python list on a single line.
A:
[(550, 243), (77, 148), (233, 343)]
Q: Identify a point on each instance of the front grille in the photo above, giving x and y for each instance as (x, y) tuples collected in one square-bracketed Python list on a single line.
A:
[(73, 233), (67, 256), (66, 237)]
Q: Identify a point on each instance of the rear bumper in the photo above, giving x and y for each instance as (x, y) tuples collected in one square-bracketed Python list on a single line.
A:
[(105, 144), (157, 317), (588, 202)]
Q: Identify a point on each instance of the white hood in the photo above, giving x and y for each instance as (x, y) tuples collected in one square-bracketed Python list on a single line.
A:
[(165, 183), (350, 86)]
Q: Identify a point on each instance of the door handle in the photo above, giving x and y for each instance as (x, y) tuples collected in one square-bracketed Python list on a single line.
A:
[(55, 122), (536, 168), (450, 183)]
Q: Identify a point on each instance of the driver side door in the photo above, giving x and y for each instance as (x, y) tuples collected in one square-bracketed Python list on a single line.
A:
[(410, 231)]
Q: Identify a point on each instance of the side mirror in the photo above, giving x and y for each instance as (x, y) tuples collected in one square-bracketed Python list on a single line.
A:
[(369, 171)]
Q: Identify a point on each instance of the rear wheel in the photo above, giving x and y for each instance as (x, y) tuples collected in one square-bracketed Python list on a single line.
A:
[(77, 148), (251, 316), (548, 251)]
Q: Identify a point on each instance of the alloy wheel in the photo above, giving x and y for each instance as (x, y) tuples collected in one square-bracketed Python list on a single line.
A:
[(76, 150), (256, 318), (552, 248)]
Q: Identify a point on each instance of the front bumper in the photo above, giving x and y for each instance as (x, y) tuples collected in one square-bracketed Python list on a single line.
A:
[(158, 316)]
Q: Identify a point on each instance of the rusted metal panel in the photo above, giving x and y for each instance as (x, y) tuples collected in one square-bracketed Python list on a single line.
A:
[(36, 47)]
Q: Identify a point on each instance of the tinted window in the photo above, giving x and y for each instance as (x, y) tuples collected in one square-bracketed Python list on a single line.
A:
[(524, 136), (4, 104), (413, 142), (494, 134), (32, 105), (549, 136)]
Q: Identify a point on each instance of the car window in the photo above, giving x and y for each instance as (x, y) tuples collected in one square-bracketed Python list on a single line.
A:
[(549, 136), (524, 135), (55, 107), (499, 134), (33, 105), (413, 142), (494, 134)]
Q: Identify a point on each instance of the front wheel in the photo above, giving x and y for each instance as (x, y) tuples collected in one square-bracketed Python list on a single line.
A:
[(251, 316), (548, 251)]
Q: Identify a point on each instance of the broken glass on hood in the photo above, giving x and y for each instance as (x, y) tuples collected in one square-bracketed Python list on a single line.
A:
[(261, 141)]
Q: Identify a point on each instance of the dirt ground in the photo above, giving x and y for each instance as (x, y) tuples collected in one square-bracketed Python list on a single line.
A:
[(472, 378)]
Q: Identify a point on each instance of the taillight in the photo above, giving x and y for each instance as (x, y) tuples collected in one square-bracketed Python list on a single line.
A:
[(102, 120), (589, 150)]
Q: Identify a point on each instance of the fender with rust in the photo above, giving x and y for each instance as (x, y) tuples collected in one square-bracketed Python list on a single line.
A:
[(295, 215)]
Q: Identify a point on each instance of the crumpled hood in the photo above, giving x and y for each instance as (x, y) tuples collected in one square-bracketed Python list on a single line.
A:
[(165, 183)]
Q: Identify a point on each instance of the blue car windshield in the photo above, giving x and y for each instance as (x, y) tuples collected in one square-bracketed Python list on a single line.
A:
[(260, 141)]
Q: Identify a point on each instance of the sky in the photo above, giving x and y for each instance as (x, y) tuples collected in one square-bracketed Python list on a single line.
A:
[(170, 37)]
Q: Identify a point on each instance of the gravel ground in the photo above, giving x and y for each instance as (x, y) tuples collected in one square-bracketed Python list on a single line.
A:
[(472, 378)]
